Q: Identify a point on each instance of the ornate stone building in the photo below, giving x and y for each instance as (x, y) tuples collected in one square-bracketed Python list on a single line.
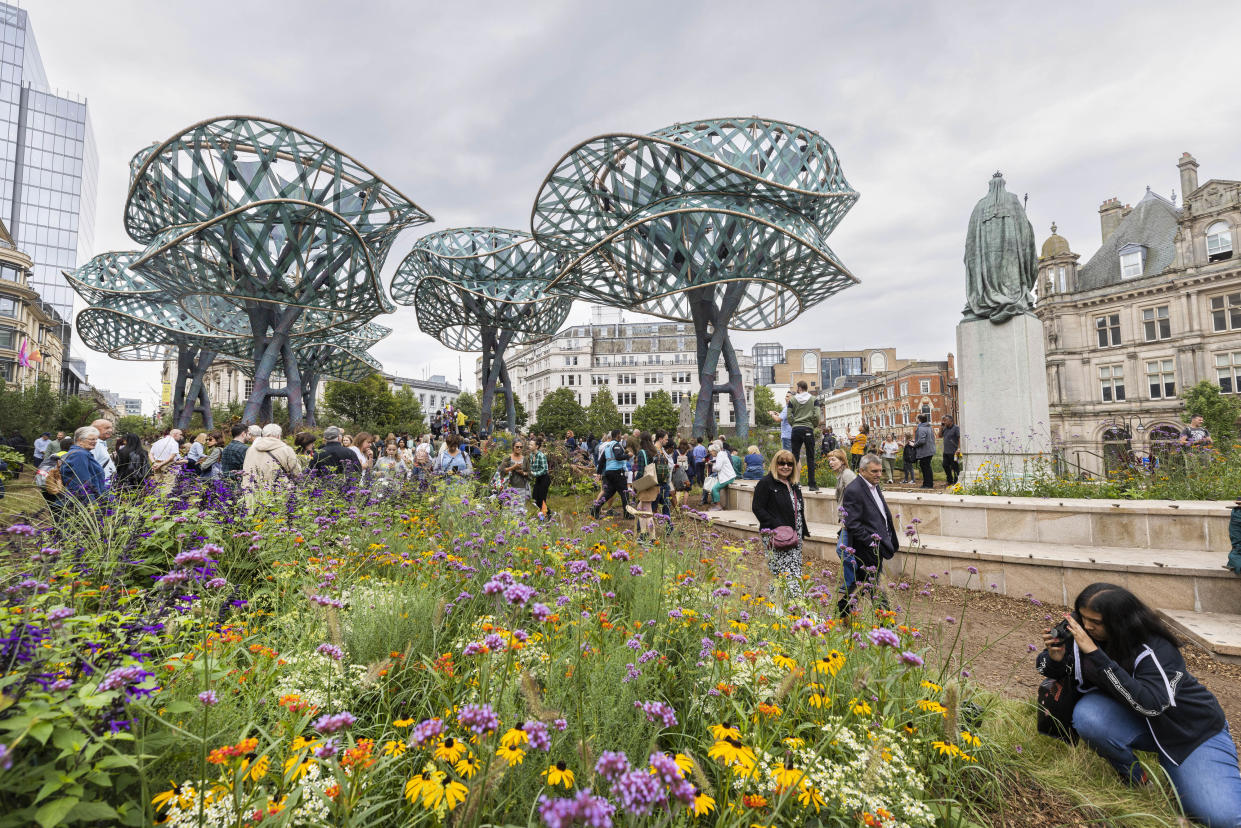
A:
[(634, 360), (1155, 310), (29, 327)]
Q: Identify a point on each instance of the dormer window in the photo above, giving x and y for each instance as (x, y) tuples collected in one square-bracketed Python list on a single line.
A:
[(1219, 242), (1132, 261)]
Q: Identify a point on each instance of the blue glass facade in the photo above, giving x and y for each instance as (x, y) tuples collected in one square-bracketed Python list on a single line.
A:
[(48, 165)]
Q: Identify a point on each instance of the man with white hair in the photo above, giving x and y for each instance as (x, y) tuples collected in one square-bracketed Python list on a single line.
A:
[(266, 459), (80, 472), (105, 429)]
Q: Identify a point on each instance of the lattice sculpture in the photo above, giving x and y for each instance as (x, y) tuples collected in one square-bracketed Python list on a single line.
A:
[(263, 231), (483, 288), (132, 318), (342, 358), (723, 223)]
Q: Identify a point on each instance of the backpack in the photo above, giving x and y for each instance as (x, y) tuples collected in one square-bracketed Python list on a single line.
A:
[(662, 467), (618, 452), (48, 477)]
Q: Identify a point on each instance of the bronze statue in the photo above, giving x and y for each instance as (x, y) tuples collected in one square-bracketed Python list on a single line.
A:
[(1000, 259)]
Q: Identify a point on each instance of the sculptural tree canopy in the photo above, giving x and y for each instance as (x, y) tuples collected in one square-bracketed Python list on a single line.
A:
[(263, 231), (483, 289), (131, 317), (722, 223)]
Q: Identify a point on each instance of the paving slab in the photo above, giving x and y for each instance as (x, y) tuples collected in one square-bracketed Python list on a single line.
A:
[(1215, 631)]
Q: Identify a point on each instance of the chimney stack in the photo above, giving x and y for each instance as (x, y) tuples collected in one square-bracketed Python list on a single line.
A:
[(1111, 212), (1189, 174)]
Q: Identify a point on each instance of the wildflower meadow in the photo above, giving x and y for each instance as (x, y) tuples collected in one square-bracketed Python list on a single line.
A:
[(328, 656)]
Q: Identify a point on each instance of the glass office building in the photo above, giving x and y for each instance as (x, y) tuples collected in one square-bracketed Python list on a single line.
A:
[(767, 355), (832, 368), (48, 167)]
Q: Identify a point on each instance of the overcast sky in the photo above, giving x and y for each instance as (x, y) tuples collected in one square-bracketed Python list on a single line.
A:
[(466, 106)]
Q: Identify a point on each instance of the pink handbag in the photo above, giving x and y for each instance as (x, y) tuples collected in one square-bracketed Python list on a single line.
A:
[(783, 538)]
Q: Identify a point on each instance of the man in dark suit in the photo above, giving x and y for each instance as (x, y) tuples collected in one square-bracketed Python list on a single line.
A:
[(867, 516)]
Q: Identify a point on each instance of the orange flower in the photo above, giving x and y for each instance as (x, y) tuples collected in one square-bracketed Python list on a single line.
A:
[(754, 801)]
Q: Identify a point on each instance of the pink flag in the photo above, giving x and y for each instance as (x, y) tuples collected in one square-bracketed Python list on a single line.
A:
[(22, 358)]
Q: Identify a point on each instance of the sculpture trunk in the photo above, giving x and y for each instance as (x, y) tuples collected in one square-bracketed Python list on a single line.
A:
[(185, 360), (711, 329), (293, 385), (510, 402), (196, 399), (310, 390), (190, 392), (269, 348), (494, 345)]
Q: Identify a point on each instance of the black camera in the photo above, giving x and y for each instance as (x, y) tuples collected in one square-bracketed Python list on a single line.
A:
[(1061, 632)]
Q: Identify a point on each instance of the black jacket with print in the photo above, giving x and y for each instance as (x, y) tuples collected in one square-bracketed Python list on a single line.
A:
[(1180, 712)]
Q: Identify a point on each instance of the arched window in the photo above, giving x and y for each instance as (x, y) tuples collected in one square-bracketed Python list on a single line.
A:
[(810, 363), (1219, 242), (1163, 439), (878, 363), (1117, 451)]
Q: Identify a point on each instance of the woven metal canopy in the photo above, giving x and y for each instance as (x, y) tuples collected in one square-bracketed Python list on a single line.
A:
[(262, 232), (483, 289), (463, 280), (721, 222), (649, 218)]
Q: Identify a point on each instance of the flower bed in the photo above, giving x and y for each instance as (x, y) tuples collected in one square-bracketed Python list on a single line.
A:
[(431, 657)]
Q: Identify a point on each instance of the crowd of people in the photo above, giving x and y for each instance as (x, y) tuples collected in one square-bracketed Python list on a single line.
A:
[(83, 468), (913, 451)]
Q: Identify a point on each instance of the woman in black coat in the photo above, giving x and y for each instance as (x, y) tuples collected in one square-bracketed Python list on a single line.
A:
[(133, 466), (778, 502)]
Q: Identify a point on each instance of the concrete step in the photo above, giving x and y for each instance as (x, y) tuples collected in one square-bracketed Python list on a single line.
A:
[(1186, 580), (1218, 632)]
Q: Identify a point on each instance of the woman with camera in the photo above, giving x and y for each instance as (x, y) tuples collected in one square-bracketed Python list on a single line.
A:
[(1136, 694)]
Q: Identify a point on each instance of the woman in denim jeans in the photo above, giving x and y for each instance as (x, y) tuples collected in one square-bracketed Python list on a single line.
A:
[(839, 464), (1137, 694)]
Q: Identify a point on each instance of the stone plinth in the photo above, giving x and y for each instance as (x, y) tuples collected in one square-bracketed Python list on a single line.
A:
[(1002, 392)]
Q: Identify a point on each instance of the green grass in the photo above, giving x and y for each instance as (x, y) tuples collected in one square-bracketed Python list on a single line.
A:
[(21, 498), (1075, 778)]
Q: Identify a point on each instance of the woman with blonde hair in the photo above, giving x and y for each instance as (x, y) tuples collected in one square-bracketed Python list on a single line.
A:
[(781, 512)]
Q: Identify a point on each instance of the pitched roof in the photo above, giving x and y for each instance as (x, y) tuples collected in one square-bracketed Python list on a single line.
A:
[(1152, 224), (4, 234)]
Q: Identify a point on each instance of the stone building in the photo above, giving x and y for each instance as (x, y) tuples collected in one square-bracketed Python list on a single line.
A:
[(842, 411), (893, 401), (227, 384), (29, 327), (1155, 310), (823, 369), (633, 359), (433, 393)]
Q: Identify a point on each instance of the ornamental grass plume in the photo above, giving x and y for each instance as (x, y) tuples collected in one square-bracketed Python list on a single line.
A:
[(533, 696), (952, 703)]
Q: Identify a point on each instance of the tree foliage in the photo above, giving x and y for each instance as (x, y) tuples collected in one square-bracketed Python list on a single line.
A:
[(559, 412), (369, 405), (657, 412), (30, 410), (1220, 412), (76, 412), (406, 413), (499, 411), (602, 415), (764, 405), (467, 403)]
